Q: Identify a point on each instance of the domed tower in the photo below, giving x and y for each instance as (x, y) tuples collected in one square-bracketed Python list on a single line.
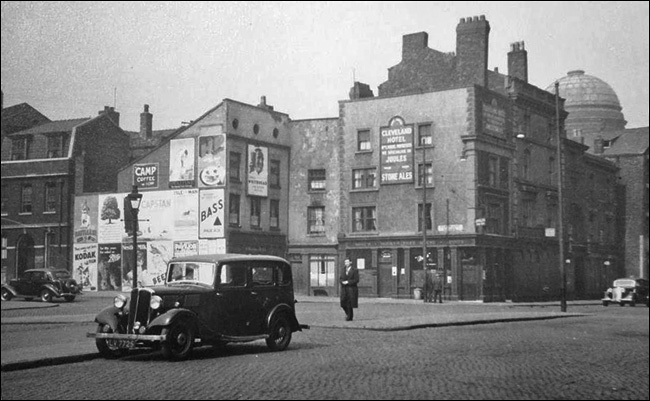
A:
[(592, 105)]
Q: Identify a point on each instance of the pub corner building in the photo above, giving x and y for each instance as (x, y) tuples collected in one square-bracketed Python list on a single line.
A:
[(449, 158)]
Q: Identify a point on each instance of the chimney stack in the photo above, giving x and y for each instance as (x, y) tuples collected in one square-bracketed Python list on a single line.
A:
[(146, 123), (112, 114), (360, 91), (599, 145), (413, 44), (472, 37), (263, 104), (518, 61)]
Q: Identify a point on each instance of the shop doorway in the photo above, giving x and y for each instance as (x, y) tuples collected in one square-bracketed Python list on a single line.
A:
[(386, 279)]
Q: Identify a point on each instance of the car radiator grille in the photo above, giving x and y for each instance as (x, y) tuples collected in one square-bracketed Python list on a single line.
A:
[(139, 308)]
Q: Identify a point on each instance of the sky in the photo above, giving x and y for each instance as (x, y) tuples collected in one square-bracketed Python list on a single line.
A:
[(70, 59)]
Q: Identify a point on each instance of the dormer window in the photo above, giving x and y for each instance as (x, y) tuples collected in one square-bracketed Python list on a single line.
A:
[(54, 146), (20, 148)]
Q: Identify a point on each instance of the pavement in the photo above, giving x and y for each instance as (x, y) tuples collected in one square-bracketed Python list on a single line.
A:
[(66, 342)]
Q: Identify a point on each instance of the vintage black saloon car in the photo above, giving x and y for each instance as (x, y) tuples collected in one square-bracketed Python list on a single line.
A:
[(44, 283), (205, 300)]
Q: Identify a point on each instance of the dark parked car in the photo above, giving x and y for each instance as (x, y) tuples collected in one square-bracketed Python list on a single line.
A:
[(206, 300), (629, 291), (44, 283)]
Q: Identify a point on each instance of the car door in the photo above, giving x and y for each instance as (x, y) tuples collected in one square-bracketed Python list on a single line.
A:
[(36, 283), (22, 284), (264, 294), (233, 299)]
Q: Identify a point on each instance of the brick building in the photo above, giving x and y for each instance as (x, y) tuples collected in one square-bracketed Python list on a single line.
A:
[(487, 142), (43, 167), (596, 120), (449, 154)]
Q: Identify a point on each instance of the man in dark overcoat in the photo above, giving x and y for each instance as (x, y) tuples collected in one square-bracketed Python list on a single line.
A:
[(349, 292)]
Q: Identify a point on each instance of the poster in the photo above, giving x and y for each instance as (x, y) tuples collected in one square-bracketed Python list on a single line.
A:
[(181, 163), (186, 248), (186, 214), (127, 265), (212, 161), (85, 266), (158, 254), (110, 226), (155, 209), (211, 213), (209, 247), (109, 267), (85, 219), (258, 171)]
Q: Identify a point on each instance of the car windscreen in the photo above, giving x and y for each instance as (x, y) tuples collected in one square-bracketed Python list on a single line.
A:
[(624, 283), (61, 274), (191, 273)]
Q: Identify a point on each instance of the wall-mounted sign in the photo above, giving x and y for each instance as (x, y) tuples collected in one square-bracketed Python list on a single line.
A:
[(396, 150), (146, 175)]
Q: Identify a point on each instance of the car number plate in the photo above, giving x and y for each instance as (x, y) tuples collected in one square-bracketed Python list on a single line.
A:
[(125, 343)]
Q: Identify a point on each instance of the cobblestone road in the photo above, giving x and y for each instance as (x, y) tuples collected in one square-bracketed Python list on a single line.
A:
[(601, 356)]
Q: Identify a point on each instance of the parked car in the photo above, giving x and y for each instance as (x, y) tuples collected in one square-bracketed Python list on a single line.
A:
[(205, 300), (44, 283), (629, 291)]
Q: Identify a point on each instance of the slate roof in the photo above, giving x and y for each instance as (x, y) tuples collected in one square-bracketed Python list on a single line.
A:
[(633, 141)]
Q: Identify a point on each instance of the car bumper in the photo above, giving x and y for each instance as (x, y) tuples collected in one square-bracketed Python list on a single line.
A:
[(127, 337)]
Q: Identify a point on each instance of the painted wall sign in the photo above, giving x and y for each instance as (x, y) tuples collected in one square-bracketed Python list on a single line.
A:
[(396, 152), (494, 119), (211, 213), (146, 175)]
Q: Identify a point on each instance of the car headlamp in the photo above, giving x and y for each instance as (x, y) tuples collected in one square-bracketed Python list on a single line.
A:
[(119, 301), (156, 302)]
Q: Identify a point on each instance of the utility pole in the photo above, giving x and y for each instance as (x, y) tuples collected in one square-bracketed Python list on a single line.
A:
[(560, 198)]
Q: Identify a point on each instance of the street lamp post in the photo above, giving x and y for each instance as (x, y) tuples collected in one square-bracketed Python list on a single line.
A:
[(134, 199), (560, 195)]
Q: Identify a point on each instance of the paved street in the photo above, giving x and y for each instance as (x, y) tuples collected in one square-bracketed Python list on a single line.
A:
[(602, 353)]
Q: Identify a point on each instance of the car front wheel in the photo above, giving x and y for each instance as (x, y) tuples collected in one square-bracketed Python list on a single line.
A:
[(179, 341), (108, 348), (6, 295), (46, 296), (280, 335)]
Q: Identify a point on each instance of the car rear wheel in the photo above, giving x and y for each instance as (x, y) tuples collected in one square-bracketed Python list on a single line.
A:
[(179, 341), (605, 303), (6, 295), (69, 298), (108, 348), (280, 335), (46, 296)]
